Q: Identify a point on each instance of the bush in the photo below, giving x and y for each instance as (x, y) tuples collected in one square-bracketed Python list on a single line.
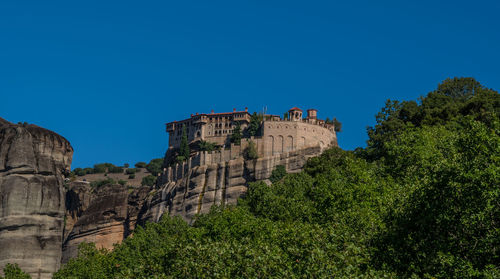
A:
[(122, 182), (206, 146), (100, 168), (114, 169), (250, 153), (155, 166), (236, 135), (277, 174), (79, 172), (130, 171), (126, 165), (88, 170), (132, 176), (149, 180), (102, 182), (13, 271), (140, 165)]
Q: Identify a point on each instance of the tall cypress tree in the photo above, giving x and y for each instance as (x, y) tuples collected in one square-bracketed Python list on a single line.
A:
[(184, 149), (236, 136)]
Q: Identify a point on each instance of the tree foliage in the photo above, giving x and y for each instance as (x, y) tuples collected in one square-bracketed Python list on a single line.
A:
[(184, 147), (250, 152), (236, 135), (337, 125), (421, 201), (254, 126), (206, 146), (277, 174), (155, 166), (149, 180), (12, 271)]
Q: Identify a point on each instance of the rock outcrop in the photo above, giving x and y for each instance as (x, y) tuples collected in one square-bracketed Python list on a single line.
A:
[(104, 216), (108, 214), (33, 162), (195, 190)]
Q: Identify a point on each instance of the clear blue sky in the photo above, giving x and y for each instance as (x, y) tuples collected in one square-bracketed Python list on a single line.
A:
[(108, 75)]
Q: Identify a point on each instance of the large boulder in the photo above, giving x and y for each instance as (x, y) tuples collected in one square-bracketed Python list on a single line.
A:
[(33, 163)]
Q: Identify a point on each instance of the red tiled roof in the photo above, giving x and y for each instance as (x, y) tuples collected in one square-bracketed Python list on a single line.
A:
[(210, 114), (294, 108)]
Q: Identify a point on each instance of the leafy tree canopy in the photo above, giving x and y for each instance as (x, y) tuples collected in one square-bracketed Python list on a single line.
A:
[(421, 201)]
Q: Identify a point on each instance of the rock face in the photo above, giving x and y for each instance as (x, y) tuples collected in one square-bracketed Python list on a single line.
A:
[(108, 214), (195, 190), (104, 216), (33, 162)]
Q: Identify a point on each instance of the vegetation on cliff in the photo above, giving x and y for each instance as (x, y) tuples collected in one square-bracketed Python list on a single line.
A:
[(420, 201)]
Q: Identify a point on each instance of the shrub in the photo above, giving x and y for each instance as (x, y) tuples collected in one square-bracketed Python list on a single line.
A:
[(126, 165), (277, 174), (122, 182), (99, 183), (179, 159), (132, 176), (236, 136), (13, 271), (155, 166), (140, 165), (149, 180), (79, 171), (206, 146), (114, 169), (100, 168), (250, 153), (88, 170), (130, 171)]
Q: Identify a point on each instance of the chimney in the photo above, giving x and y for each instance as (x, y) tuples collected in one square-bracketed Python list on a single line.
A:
[(312, 113), (212, 112), (196, 113), (246, 109), (234, 109), (191, 115)]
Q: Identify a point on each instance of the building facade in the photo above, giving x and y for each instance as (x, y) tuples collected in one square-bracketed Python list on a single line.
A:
[(278, 135)]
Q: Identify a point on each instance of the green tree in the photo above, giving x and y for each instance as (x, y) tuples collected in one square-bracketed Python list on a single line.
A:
[(236, 136), (337, 125), (102, 182), (277, 174), (13, 271), (140, 165), (285, 116), (130, 171), (184, 148), (453, 98), (149, 180), (155, 166), (254, 126), (250, 152), (79, 172), (206, 146)]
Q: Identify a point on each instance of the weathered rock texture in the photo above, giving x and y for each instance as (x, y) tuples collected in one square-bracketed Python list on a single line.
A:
[(104, 216), (33, 162), (195, 190), (108, 214)]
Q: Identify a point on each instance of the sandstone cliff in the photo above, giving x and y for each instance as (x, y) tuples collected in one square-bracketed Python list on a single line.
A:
[(108, 214), (194, 190), (33, 162), (104, 216)]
